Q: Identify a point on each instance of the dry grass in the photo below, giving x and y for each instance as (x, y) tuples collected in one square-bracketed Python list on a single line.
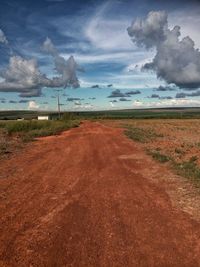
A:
[(8, 144), (176, 142)]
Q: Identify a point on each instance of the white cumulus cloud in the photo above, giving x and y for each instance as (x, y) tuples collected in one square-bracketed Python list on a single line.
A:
[(23, 76), (3, 38), (66, 68), (177, 61), (32, 105)]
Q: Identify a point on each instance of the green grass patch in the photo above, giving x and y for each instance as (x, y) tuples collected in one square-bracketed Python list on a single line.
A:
[(141, 135), (159, 156), (28, 130), (188, 169), (13, 134)]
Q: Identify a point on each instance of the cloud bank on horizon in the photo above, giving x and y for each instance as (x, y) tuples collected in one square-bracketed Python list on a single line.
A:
[(176, 61)]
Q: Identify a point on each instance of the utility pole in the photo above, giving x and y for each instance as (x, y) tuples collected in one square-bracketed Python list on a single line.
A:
[(58, 104)]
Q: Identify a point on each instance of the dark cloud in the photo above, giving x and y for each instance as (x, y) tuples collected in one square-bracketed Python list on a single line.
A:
[(160, 97), (133, 92), (193, 94), (95, 86), (165, 88), (92, 98), (113, 101), (183, 95), (71, 99), (109, 85), (180, 95), (124, 99), (154, 96), (23, 101), (165, 97), (176, 60), (13, 102), (117, 93)]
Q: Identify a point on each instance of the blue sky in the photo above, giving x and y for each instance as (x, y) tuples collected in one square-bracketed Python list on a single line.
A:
[(95, 33)]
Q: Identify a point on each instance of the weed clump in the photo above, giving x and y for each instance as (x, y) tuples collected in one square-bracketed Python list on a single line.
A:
[(141, 135), (159, 156), (188, 169)]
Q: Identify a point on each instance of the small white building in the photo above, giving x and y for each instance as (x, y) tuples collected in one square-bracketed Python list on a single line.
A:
[(43, 118)]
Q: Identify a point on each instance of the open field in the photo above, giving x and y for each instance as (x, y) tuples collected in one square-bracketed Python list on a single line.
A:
[(154, 113), (176, 142), (91, 196)]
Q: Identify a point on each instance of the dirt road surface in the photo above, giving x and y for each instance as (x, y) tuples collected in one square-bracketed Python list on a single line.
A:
[(84, 198)]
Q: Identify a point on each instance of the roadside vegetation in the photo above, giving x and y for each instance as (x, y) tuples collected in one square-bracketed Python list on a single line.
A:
[(32, 129), (140, 134), (13, 134), (173, 142), (159, 156), (188, 169), (8, 144)]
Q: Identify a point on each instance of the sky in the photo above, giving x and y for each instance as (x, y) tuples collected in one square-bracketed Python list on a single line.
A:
[(99, 55)]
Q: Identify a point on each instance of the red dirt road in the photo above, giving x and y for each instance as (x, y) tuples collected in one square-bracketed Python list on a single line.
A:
[(82, 199)]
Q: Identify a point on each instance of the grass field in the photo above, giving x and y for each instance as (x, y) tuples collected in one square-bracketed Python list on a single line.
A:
[(164, 113)]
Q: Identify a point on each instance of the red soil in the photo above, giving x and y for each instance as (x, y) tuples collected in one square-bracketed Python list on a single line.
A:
[(84, 198)]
